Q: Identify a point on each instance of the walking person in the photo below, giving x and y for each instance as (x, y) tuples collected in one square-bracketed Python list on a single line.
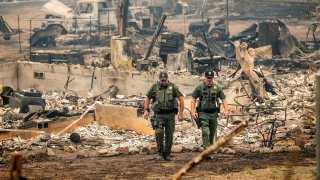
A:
[(208, 107), (164, 97)]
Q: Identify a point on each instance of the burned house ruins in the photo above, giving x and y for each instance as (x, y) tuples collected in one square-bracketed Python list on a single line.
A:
[(74, 76)]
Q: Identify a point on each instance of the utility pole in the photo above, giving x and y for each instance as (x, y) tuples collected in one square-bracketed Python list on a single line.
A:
[(90, 35), (19, 34), (30, 40), (227, 27)]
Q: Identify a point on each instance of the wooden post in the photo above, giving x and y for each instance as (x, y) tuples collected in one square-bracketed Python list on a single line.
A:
[(222, 141), (16, 166), (318, 126)]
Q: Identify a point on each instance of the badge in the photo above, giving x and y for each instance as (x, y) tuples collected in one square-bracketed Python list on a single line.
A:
[(170, 87)]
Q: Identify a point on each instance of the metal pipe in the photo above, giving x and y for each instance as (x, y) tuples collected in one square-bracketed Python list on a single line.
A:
[(90, 34), (318, 126), (155, 36)]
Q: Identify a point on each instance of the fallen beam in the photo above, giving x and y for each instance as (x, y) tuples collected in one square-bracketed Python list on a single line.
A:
[(16, 166), (51, 127), (76, 121), (21, 130)]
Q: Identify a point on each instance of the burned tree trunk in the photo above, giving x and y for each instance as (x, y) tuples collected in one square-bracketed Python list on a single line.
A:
[(122, 15), (245, 57)]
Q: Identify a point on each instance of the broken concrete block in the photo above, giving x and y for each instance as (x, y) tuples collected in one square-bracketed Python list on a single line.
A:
[(280, 135), (183, 127), (280, 149), (309, 145), (289, 142), (123, 150), (294, 149), (176, 149), (50, 152), (144, 150), (133, 150), (265, 150), (152, 148), (188, 147), (227, 151), (243, 150), (103, 151), (70, 149)]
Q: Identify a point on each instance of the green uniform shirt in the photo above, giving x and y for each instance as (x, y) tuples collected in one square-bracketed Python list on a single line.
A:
[(198, 91), (151, 94)]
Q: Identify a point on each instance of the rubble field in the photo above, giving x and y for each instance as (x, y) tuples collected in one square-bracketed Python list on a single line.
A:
[(270, 148)]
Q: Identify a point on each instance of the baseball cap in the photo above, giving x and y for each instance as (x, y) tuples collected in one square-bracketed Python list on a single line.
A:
[(209, 73), (163, 75)]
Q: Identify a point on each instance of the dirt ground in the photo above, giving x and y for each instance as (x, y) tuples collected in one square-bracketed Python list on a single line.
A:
[(88, 165)]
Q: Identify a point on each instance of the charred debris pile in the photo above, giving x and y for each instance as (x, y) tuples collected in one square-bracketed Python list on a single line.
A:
[(267, 73)]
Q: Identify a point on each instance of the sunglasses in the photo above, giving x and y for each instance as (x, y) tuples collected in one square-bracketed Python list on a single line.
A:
[(208, 77)]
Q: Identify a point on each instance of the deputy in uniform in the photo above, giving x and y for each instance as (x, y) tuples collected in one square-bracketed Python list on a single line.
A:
[(208, 107), (163, 96)]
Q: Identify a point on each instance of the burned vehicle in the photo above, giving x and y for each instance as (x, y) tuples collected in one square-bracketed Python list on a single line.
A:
[(5, 29), (218, 32), (87, 15), (90, 16)]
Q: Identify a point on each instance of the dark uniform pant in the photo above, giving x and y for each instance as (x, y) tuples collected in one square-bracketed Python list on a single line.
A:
[(208, 127), (164, 131)]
